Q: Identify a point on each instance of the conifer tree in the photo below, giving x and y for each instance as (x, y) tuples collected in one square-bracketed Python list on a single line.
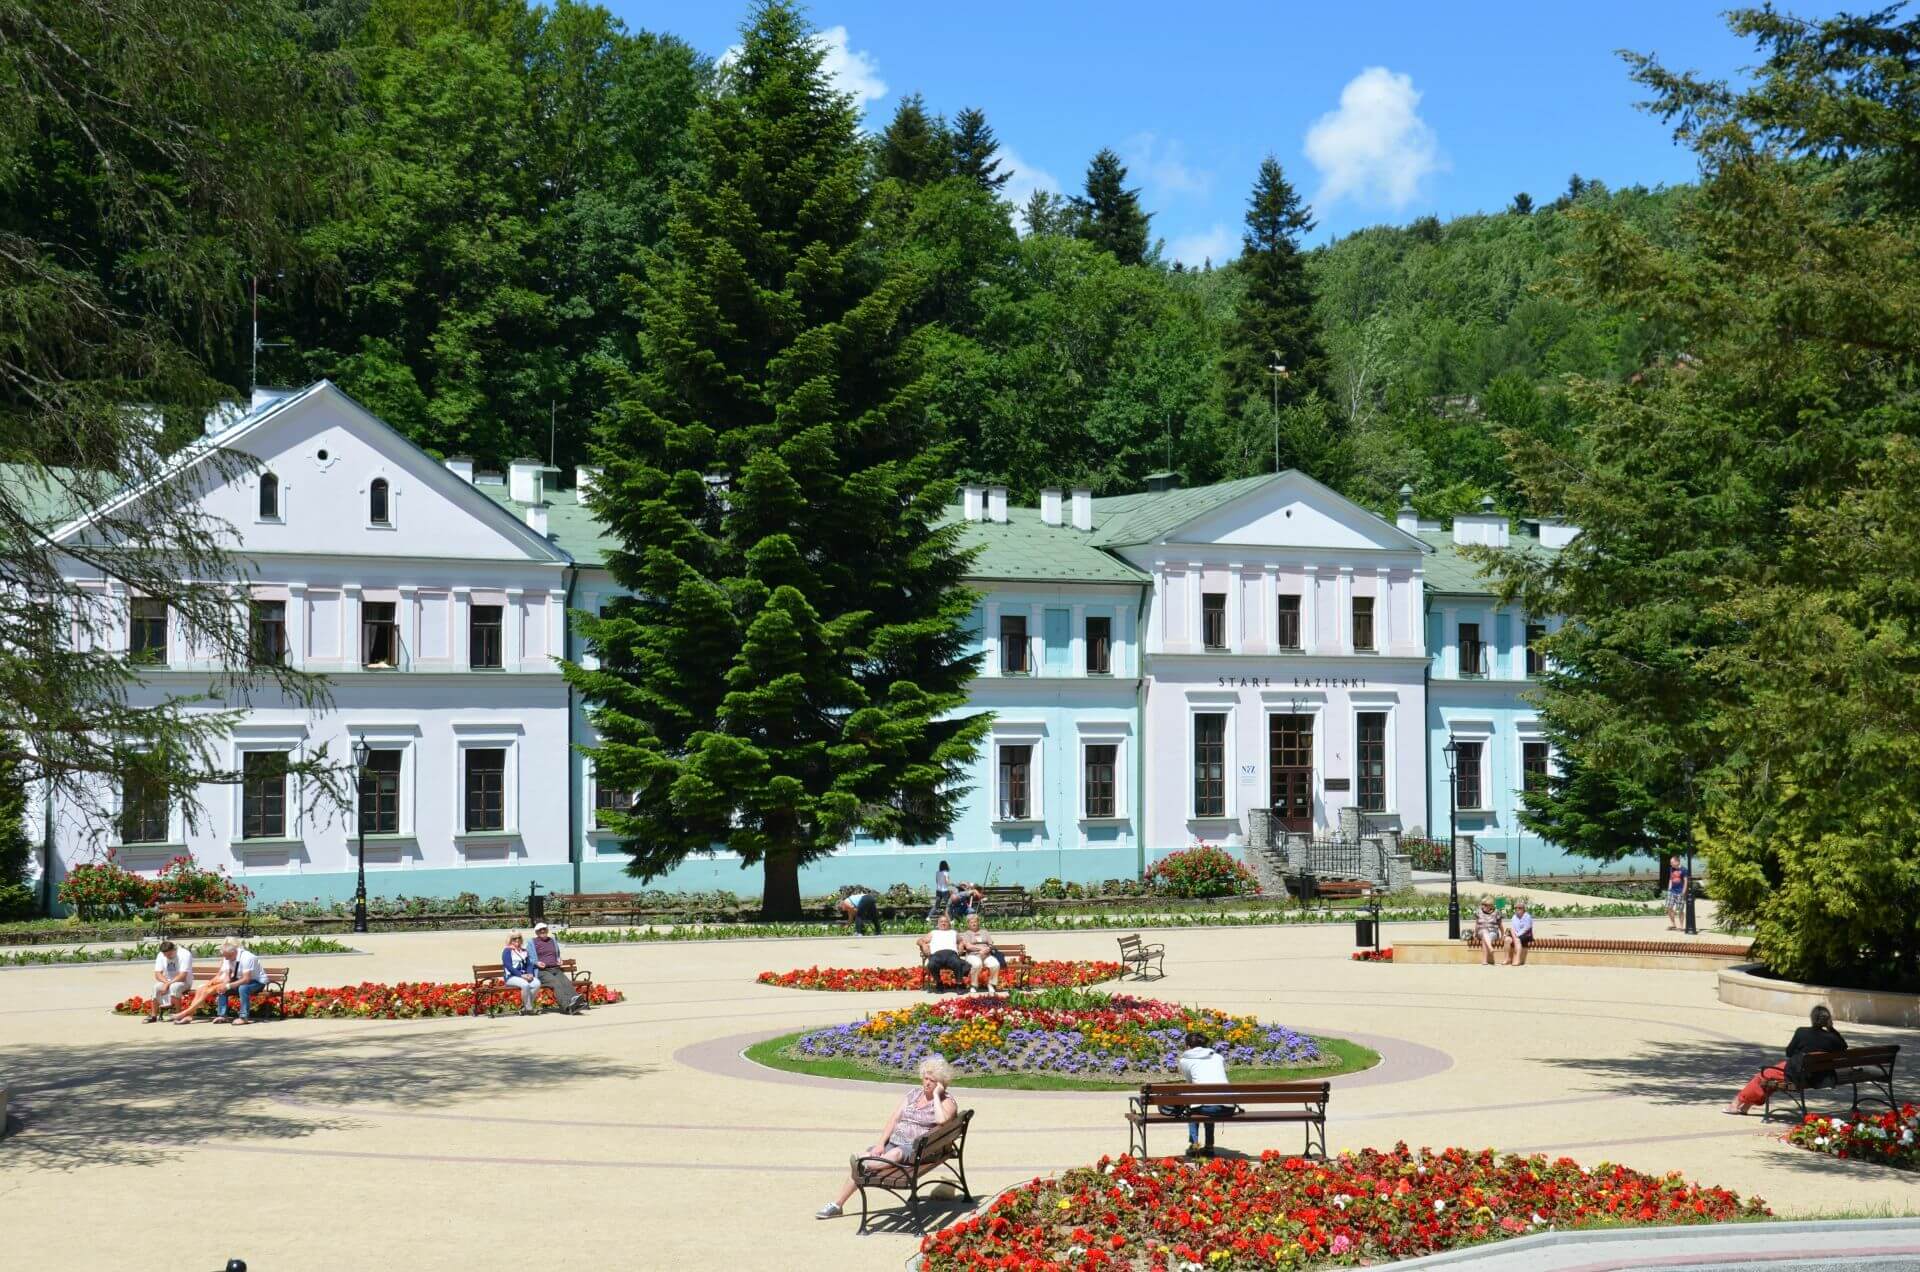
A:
[(975, 149), (788, 667), (1108, 214), (915, 146), (1273, 319)]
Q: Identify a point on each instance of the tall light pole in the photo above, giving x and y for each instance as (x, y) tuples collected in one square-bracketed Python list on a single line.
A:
[(1687, 765), (360, 754), (1452, 753), (1279, 372)]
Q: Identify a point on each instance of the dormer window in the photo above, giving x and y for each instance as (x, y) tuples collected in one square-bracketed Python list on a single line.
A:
[(269, 497), (379, 505)]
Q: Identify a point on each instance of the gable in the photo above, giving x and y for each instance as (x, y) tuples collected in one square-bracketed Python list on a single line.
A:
[(1291, 510), (326, 451)]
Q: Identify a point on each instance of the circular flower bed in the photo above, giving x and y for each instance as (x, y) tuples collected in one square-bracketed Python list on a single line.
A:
[(1890, 1138), (1065, 1032), (1049, 974), (1286, 1212), (405, 1001)]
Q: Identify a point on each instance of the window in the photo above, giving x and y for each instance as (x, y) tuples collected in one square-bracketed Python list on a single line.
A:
[(1536, 657), (267, 637), (1013, 644), (486, 788), (380, 794), (143, 811), (1099, 646), (1101, 789), (1533, 766), (1371, 752), (269, 497), (379, 639), (608, 800), (1016, 781), (1288, 635), (263, 795), (1363, 622), (378, 510), (1213, 620), (147, 631), (1210, 765), (1467, 773), (483, 642), (1473, 655)]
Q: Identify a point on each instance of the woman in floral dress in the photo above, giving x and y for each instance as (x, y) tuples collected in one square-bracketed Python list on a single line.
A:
[(926, 1106)]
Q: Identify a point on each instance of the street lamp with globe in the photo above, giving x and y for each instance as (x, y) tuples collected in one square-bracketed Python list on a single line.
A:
[(1452, 752), (361, 753)]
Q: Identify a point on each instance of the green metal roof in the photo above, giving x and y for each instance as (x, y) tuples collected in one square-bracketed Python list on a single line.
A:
[(1450, 571), (1026, 550), (573, 529), (1142, 517)]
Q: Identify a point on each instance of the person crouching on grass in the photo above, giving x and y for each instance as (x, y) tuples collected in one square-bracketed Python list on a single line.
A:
[(1200, 1063)]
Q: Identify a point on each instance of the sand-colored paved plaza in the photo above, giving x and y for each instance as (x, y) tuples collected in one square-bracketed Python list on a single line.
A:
[(634, 1137)]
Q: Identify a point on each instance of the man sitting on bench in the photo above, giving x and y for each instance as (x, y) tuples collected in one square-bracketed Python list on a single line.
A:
[(547, 966), (942, 950), (1201, 1063)]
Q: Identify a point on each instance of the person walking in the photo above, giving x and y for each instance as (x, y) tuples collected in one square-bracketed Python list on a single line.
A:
[(942, 889), (1677, 884), (547, 966)]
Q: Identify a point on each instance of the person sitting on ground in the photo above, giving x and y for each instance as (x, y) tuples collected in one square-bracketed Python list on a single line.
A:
[(983, 961), (546, 962), (942, 891), (1519, 934), (941, 949), (1201, 1063), (927, 1106), (860, 909), (1817, 1035), (1486, 928), (518, 972), (172, 978), (240, 969)]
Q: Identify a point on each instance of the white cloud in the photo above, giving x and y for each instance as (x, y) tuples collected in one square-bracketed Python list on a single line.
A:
[(1217, 243), (1375, 147), (1162, 167), (1026, 178), (851, 71)]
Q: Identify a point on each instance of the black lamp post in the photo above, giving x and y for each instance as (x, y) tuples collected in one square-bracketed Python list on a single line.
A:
[(1687, 766), (360, 753), (1452, 753)]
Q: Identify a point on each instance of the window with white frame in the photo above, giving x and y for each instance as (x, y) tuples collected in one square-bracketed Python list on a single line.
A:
[(263, 795), (1370, 757), (1101, 783), (146, 810), (1210, 764), (486, 769), (1016, 762), (1469, 773)]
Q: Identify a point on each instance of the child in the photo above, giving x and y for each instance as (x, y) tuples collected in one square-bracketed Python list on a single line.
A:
[(1201, 1063)]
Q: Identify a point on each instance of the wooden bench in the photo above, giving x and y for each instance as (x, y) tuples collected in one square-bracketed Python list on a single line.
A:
[(1871, 1067), (492, 976), (1337, 889), (1302, 1102), (1019, 966), (207, 973), (181, 915), (1136, 954), (578, 907), (1004, 901), (941, 1149)]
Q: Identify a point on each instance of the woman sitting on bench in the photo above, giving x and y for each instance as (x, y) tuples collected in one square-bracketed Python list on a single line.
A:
[(1820, 1035), (926, 1106), (1486, 928)]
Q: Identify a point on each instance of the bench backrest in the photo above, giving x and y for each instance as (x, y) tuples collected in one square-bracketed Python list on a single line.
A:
[(1236, 1092), (943, 1141), (1851, 1058), (1012, 953), (1128, 944), (595, 898), (207, 971), (203, 907), (483, 971)]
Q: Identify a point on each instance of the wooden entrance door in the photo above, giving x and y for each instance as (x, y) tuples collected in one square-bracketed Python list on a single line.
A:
[(1290, 771)]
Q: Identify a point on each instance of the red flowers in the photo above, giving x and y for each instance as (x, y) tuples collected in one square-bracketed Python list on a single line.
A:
[(1890, 1138), (404, 1001), (1374, 956), (1049, 974), (1363, 1207)]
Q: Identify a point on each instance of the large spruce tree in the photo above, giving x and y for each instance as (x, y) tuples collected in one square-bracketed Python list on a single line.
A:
[(1108, 215), (789, 668), (1273, 318)]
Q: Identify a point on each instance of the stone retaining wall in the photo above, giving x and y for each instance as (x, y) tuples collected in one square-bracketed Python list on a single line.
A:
[(1742, 986)]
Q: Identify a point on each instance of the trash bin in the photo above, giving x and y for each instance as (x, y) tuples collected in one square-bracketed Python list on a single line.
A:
[(1363, 932), (536, 907)]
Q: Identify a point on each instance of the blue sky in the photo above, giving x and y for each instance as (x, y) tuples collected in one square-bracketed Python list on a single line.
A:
[(1379, 111)]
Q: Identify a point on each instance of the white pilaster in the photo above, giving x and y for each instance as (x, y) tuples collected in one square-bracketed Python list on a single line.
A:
[(296, 620), (409, 625), (461, 617), (1236, 642), (1416, 619), (1126, 643), (1343, 611), (1270, 607), (1194, 587), (516, 614), (991, 638), (350, 651), (1383, 610), (1077, 648), (1310, 609), (1450, 643), (556, 627)]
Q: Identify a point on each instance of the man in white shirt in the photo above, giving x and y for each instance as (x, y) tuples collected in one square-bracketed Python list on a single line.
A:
[(240, 969), (1201, 1063), (941, 948), (172, 978)]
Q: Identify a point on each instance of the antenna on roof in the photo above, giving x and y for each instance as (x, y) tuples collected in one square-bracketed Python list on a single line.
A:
[(553, 417), (253, 370)]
